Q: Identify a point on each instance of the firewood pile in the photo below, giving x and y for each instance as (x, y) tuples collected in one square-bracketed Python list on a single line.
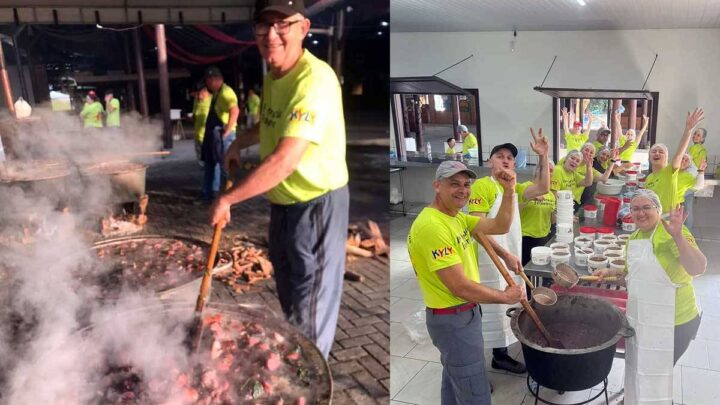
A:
[(250, 265), (365, 240)]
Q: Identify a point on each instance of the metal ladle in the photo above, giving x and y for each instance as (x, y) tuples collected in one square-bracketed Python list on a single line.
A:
[(565, 276)]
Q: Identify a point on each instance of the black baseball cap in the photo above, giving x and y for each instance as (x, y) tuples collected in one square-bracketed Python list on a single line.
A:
[(286, 7), (507, 146), (213, 71)]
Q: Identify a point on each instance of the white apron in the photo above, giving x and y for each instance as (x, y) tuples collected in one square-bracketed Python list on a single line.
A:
[(651, 312), (495, 324)]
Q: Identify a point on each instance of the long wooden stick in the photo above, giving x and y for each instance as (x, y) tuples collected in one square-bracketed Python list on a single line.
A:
[(526, 305)]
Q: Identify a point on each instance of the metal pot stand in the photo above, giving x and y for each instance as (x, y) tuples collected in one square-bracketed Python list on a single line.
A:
[(536, 394)]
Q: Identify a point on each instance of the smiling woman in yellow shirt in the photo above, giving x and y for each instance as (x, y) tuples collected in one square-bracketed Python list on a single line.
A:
[(664, 177)]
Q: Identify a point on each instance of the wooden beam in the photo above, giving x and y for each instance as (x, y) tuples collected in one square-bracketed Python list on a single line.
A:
[(140, 70), (124, 77)]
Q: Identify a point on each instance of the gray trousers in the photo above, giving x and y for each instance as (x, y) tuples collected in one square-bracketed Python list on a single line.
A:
[(460, 341), (307, 250)]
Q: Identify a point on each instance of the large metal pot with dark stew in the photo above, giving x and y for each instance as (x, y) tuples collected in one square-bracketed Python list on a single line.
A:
[(589, 329)]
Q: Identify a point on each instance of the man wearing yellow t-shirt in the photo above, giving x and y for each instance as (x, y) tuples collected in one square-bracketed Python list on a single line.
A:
[(469, 141), (112, 110), (628, 142), (444, 259), (601, 139), (253, 109), (219, 131), (575, 138), (303, 171), (450, 148), (201, 109)]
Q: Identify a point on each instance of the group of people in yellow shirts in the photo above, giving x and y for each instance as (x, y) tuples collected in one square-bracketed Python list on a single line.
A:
[(469, 143), (93, 111), (201, 108), (455, 276)]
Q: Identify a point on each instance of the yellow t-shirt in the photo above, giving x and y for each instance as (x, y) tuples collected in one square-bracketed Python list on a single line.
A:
[(575, 142), (535, 214), (698, 153), (450, 151), (668, 255), (565, 180), (665, 184), (470, 142), (686, 181), (225, 99), (627, 153), (598, 146), (483, 194), (201, 108), (437, 241), (253, 104), (113, 117), (92, 115), (305, 103), (578, 190)]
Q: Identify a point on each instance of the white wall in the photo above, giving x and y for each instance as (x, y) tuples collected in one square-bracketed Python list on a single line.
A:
[(687, 73)]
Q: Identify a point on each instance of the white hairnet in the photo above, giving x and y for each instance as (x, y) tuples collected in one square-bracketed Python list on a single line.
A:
[(660, 145), (650, 195), (574, 153), (589, 145)]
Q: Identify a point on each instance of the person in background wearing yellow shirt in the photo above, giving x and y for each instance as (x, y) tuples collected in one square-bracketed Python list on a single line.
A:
[(601, 139), (628, 142), (303, 171), (663, 179), (201, 108), (450, 148), (444, 259), (697, 150), (536, 214), (253, 109), (567, 177), (469, 141), (690, 179), (485, 198), (219, 131), (576, 138), (92, 111), (112, 110), (582, 194), (662, 258)]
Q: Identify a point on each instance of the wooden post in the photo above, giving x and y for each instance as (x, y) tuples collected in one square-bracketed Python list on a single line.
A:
[(7, 91), (615, 105), (164, 85), (633, 114), (140, 72), (131, 105), (21, 73)]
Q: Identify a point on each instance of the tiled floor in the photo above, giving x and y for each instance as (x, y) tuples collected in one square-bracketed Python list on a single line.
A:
[(415, 370)]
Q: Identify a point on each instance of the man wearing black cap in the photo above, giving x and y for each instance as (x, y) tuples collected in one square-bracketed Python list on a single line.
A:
[(485, 200), (440, 246), (303, 171), (219, 130)]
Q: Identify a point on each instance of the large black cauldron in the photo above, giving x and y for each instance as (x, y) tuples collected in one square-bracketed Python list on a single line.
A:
[(572, 369)]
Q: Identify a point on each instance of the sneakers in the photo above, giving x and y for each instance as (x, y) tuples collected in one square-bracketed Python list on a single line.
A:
[(505, 362)]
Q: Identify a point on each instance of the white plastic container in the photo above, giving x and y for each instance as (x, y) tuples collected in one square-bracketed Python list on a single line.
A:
[(617, 264), (583, 242), (612, 255), (587, 232), (559, 257), (582, 255), (624, 237), (611, 238), (628, 224), (615, 248), (561, 245), (600, 245), (631, 175), (596, 262), (540, 255), (564, 229), (564, 195), (590, 211)]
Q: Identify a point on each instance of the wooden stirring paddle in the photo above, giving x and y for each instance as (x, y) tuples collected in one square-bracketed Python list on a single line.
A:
[(526, 305)]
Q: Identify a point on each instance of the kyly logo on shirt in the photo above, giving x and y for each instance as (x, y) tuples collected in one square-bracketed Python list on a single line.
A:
[(300, 115), (446, 251)]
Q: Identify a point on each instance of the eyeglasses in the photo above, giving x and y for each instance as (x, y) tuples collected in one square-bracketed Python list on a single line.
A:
[(281, 27), (646, 209)]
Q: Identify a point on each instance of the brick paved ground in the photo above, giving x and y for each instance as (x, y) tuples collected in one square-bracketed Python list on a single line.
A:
[(360, 357)]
